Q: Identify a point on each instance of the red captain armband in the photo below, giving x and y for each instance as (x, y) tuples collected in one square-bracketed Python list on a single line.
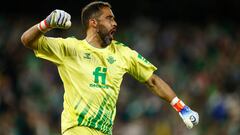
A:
[(43, 26), (177, 104)]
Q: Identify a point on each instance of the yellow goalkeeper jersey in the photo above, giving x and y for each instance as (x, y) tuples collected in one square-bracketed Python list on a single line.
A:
[(91, 78)]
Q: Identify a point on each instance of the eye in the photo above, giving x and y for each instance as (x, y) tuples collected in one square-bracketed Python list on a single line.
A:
[(110, 18)]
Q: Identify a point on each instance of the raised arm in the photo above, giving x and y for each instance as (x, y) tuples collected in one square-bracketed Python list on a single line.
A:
[(162, 89), (57, 19), (31, 35)]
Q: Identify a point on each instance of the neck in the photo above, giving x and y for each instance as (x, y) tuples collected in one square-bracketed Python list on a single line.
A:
[(94, 40)]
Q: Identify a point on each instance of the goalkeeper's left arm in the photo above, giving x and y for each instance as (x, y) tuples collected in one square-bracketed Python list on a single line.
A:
[(160, 88)]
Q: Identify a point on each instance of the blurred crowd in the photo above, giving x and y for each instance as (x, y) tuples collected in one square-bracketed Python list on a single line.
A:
[(201, 62)]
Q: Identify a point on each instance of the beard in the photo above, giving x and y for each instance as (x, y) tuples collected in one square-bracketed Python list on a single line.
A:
[(105, 35)]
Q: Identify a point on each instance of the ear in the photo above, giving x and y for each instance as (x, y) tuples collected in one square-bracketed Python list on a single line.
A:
[(93, 23)]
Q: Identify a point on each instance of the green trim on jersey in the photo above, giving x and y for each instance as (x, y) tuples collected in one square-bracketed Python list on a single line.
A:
[(119, 43), (82, 115), (98, 122), (92, 78)]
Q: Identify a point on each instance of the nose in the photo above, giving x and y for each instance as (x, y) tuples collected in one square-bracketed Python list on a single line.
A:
[(114, 23)]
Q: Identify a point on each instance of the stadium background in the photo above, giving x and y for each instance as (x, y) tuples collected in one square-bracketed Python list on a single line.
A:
[(194, 44)]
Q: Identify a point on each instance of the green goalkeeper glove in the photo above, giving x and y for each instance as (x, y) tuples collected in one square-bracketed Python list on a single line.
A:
[(57, 19)]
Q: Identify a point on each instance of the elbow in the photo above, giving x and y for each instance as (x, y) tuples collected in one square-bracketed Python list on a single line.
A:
[(151, 82), (30, 36), (27, 41), (24, 40)]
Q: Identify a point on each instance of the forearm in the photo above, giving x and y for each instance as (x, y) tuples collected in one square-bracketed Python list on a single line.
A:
[(160, 88), (30, 36)]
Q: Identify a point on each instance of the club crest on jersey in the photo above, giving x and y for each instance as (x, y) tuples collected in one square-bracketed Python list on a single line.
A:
[(87, 56), (111, 60)]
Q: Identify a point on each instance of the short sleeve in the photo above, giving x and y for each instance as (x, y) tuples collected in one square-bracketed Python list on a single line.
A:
[(140, 68), (51, 49)]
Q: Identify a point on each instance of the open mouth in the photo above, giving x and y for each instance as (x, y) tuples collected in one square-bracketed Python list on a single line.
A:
[(112, 32)]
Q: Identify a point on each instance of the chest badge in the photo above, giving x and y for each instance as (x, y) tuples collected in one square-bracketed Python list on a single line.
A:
[(111, 60), (87, 56)]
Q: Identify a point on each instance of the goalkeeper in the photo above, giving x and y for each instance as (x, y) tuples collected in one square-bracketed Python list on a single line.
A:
[(92, 70)]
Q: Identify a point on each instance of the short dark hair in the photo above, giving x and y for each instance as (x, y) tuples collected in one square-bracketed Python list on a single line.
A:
[(92, 10)]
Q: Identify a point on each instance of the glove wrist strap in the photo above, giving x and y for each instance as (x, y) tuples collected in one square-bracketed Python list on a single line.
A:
[(43, 26), (177, 104)]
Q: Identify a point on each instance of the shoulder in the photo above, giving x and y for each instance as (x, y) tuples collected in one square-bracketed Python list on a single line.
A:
[(71, 39), (123, 50), (71, 45), (115, 42), (120, 46)]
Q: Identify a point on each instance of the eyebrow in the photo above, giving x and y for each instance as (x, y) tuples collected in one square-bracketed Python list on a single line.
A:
[(110, 16)]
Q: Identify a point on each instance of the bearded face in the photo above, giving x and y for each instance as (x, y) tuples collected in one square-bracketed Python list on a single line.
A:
[(106, 26), (105, 34)]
